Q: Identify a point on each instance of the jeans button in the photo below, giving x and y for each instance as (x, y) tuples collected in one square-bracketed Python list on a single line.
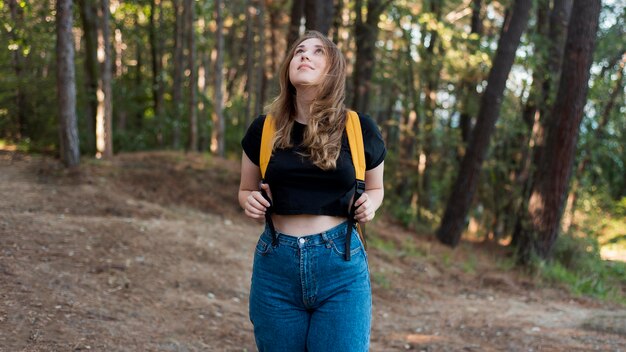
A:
[(301, 240)]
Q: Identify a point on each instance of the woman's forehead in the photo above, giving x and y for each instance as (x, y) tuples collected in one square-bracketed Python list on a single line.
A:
[(311, 42)]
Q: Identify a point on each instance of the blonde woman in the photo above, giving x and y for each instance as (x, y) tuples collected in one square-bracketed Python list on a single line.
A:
[(305, 295)]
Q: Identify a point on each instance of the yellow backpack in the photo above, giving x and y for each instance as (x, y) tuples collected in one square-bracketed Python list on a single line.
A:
[(357, 150)]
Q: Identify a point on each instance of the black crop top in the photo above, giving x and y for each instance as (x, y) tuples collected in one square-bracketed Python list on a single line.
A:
[(300, 187)]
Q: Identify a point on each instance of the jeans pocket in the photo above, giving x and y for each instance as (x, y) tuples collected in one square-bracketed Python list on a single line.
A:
[(263, 247), (339, 247)]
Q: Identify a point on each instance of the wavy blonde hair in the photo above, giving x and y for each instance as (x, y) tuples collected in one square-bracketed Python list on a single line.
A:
[(322, 137)]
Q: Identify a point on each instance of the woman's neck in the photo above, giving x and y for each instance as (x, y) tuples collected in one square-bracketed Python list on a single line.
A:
[(304, 98)]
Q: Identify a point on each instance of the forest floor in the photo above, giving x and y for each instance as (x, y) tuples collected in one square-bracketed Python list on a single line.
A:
[(150, 252)]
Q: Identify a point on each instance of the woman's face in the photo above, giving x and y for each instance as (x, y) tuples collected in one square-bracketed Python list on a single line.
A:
[(308, 65)]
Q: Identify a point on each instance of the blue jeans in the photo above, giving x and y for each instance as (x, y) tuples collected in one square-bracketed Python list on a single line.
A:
[(306, 297)]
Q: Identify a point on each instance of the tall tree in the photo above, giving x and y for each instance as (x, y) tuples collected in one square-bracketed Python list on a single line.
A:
[(319, 15), (157, 66), (598, 132), (453, 222), (553, 170), (431, 72), (88, 14), (297, 12), (250, 60), (66, 85), (366, 34), (261, 80), (18, 66), (104, 116), (177, 84), (468, 81), (191, 66), (218, 144), (549, 44)]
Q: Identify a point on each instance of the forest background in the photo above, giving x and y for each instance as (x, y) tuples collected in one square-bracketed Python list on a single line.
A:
[(504, 120)]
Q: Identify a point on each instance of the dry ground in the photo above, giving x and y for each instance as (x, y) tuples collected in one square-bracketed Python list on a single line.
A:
[(149, 252)]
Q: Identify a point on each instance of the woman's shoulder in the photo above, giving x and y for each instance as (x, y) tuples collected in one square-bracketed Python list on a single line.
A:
[(368, 125)]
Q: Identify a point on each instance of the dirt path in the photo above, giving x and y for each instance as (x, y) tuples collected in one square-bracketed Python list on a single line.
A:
[(148, 252)]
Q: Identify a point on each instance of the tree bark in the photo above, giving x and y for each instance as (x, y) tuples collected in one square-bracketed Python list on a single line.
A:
[(178, 62), (193, 83), (104, 116), (250, 52), (18, 65), (453, 222), (618, 89), (319, 15), (430, 74), (297, 12), (88, 11), (546, 73), (337, 22), (468, 85), (157, 68), (366, 34), (261, 81), (66, 85), (218, 144), (552, 173)]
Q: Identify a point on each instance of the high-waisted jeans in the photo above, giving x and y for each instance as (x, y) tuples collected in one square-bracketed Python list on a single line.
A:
[(306, 297)]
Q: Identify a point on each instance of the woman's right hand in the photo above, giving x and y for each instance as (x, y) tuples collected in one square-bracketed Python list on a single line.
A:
[(256, 205)]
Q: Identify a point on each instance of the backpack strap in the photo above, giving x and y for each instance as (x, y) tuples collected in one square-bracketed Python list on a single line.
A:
[(355, 140), (357, 149), (267, 141), (267, 137)]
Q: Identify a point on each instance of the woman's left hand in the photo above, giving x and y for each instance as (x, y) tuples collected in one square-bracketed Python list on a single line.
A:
[(365, 211)]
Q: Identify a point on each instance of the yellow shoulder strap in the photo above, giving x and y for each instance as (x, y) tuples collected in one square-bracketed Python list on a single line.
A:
[(355, 139), (267, 137)]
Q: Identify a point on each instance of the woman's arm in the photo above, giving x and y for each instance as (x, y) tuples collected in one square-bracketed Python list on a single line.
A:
[(373, 196), (250, 199)]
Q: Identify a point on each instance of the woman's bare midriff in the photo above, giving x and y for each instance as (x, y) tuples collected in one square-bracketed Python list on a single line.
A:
[(302, 225)]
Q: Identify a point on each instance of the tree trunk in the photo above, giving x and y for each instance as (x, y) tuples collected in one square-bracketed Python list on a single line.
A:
[(261, 81), (550, 52), (218, 143), (18, 65), (468, 85), (157, 69), (430, 74), (88, 11), (297, 11), (541, 225), (453, 221), (250, 52), (366, 34), (177, 84), (337, 22), (104, 116), (570, 207), (66, 85), (319, 15), (193, 82)]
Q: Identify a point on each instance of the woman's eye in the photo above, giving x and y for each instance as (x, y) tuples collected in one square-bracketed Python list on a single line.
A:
[(319, 51), (299, 51)]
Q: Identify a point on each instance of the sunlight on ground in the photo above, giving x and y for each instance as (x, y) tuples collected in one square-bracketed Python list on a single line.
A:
[(613, 254), (417, 338), (5, 146)]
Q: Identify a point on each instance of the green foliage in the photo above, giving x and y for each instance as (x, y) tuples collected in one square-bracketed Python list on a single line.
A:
[(577, 263)]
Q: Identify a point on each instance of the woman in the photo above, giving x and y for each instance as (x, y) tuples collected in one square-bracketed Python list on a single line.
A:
[(304, 295)]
